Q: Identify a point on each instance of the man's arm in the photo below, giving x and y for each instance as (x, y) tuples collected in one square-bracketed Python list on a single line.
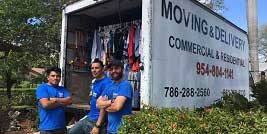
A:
[(55, 102), (63, 101), (48, 103), (102, 102), (117, 104), (99, 122)]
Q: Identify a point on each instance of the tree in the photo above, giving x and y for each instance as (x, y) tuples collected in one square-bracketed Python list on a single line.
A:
[(10, 69), (263, 40), (215, 5), (29, 37), (252, 18)]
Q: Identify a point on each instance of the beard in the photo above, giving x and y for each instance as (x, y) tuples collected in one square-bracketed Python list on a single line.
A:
[(116, 76)]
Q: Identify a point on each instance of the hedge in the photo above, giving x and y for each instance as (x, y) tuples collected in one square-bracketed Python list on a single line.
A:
[(233, 113), (183, 121)]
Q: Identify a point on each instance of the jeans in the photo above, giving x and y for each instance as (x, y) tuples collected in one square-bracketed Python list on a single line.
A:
[(56, 131), (85, 126)]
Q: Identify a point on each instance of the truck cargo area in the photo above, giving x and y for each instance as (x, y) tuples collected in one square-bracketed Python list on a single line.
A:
[(110, 21)]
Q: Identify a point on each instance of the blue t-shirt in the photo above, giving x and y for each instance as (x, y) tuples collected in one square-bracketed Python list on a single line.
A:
[(97, 88), (123, 88), (53, 118)]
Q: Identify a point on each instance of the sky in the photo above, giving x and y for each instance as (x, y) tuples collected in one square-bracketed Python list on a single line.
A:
[(236, 12), (237, 15)]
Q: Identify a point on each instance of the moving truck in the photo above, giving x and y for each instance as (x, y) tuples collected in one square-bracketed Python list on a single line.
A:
[(187, 55)]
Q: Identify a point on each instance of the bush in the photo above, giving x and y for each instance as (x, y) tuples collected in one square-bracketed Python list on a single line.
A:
[(182, 121), (26, 84), (259, 91), (233, 102), (21, 96)]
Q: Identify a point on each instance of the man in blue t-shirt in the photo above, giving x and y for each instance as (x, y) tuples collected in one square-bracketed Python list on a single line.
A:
[(94, 123), (52, 99), (116, 99)]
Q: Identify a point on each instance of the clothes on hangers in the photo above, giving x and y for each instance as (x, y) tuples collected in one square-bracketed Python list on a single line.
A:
[(121, 42), (134, 79), (97, 47), (118, 41)]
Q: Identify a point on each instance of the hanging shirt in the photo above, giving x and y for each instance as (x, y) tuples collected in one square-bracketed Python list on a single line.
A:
[(125, 47), (105, 45), (118, 44), (136, 40), (94, 47), (126, 71), (131, 45), (97, 47), (100, 48), (110, 44), (135, 65)]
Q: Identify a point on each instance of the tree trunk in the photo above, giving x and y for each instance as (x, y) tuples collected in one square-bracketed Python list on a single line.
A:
[(9, 84), (252, 19)]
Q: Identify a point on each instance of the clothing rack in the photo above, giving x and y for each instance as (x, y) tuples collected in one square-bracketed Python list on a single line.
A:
[(117, 42), (118, 25)]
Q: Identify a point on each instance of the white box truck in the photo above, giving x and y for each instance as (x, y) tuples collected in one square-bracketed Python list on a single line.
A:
[(189, 55)]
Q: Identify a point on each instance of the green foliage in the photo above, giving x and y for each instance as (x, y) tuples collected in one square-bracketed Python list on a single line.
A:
[(215, 5), (263, 40), (15, 66), (27, 84), (183, 121), (233, 102), (1, 82), (260, 92), (39, 79), (38, 45), (233, 113), (21, 97), (39, 42), (4, 109), (15, 14)]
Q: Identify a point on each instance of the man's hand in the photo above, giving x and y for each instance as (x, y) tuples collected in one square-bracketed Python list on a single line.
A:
[(49, 103), (117, 104), (103, 98), (103, 102), (62, 101), (95, 130), (54, 100)]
